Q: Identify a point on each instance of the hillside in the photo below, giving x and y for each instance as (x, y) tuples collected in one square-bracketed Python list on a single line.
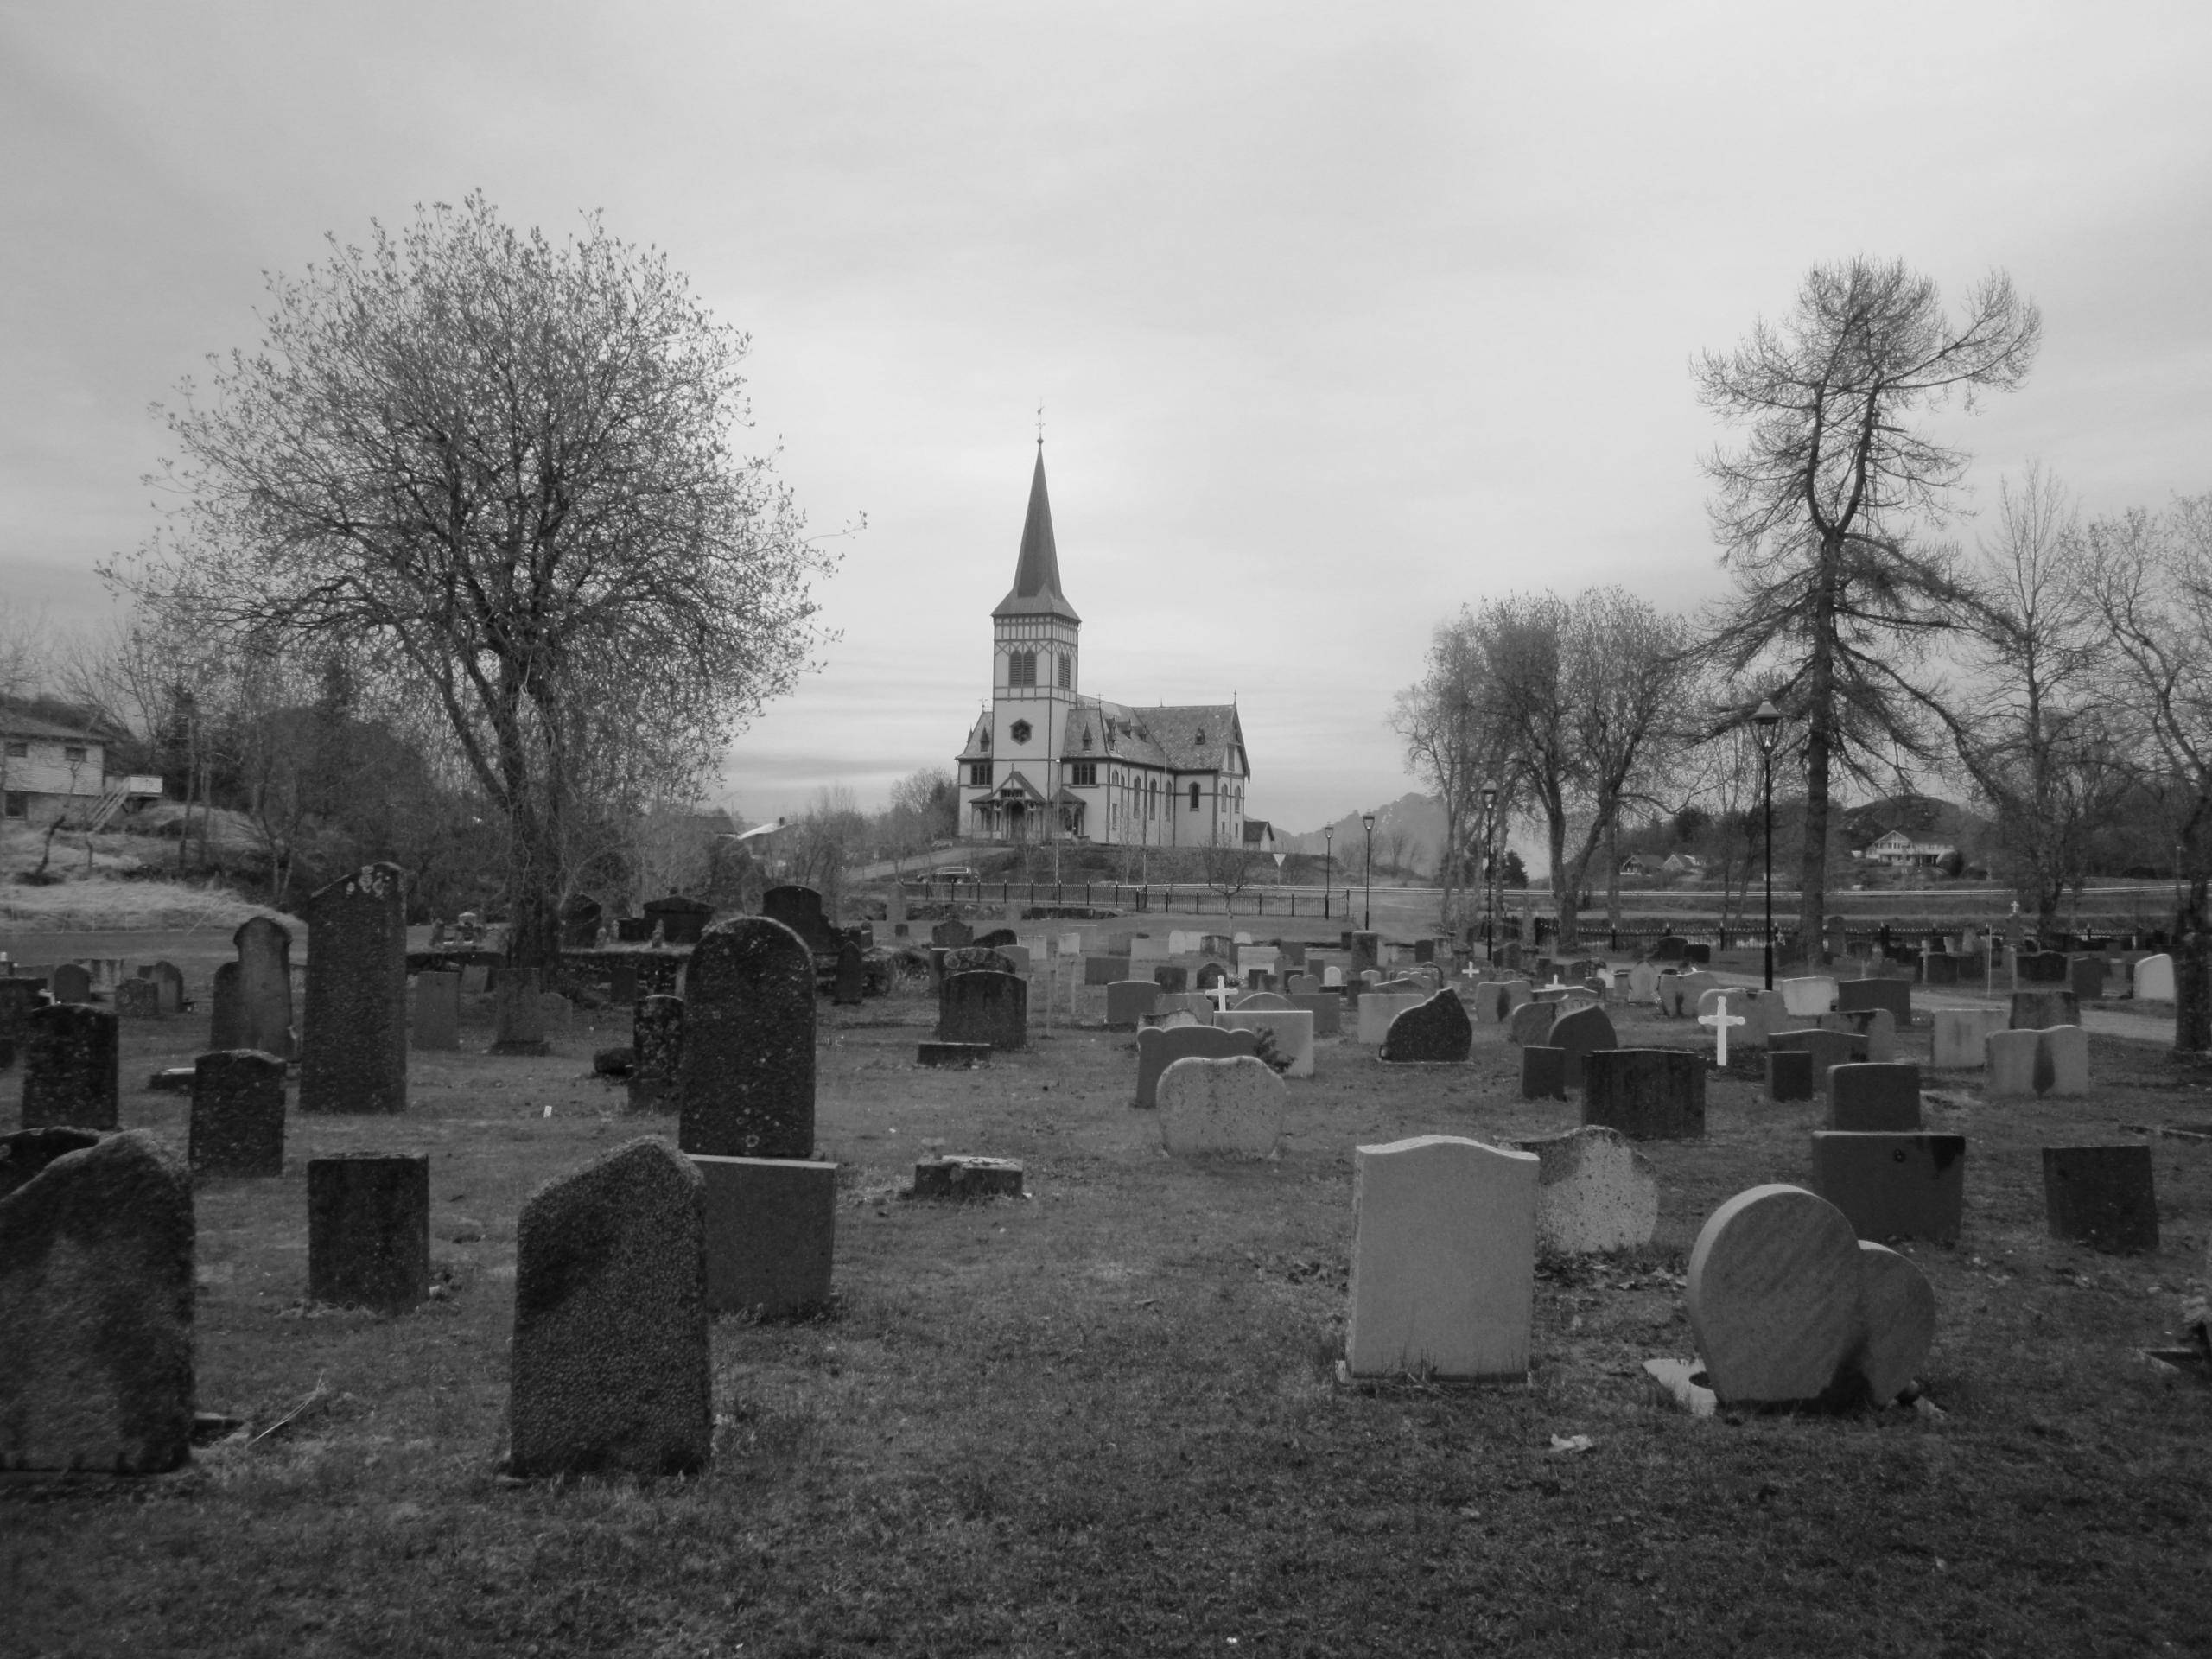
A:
[(1417, 818)]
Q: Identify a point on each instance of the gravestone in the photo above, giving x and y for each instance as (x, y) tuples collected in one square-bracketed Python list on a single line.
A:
[(137, 999), (1580, 1033), (851, 986), (353, 1036), (1290, 1029), (96, 1302), (770, 1234), (1531, 1023), (960, 1055), (951, 935), (1595, 1191), (1809, 997), (26, 1152), (1671, 947), (1789, 1307), (554, 1013), (1874, 1098), (437, 1011), (1543, 1072), (1960, 1035), (1493, 1002), (2040, 1010), (1643, 982), (70, 982), (974, 959), (1437, 1029), (998, 938), (2053, 1062), (1893, 1186), (2085, 976), (2103, 1197), (1326, 1007), (1171, 977), (1230, 1108), (2154, 979), (369, 1230), (70, 1060), (1648, 1094), (1788, 1075), (476, 978), (238, 1114), (1377, 1011), (169, 985), (1159, 1049), (1104, 970), (1443, 1264), (982, 1006), (744, 1076), (2067, 1049), (518, 1016), (964, 1178), (18, 997), (1366, 953), (1860, 995), (1128, 1001), (1211, 975), (656, 1047), (610, 1367), (1261, 1001), (678, 919), (1828, 1048)]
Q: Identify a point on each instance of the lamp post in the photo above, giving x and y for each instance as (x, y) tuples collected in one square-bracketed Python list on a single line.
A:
[(1490, 871), (1367, 918), (1769, 721), (1328, 863)]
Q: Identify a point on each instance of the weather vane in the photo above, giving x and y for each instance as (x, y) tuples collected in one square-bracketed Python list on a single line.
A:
[(1041, 425)]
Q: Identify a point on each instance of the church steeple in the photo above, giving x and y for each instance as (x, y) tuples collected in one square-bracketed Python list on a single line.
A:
[(1036, 590)]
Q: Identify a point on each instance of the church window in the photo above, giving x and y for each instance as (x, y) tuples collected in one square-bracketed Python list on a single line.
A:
[(1200, 739), (1194, 797), (1019, 731), (1067, 670), (979, 774), (1083, 773), (1022, 668)]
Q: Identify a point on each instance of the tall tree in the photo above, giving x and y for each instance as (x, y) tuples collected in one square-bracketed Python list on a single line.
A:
[(1817, 510), (499, 473), (1454, 747)]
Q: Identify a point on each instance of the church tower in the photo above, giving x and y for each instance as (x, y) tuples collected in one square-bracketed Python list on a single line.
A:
[(1035, 674)]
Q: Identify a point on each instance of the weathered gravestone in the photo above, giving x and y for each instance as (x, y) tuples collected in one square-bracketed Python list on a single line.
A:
[(70, 1062), (656, 1048), (1595, 1191), (1876, 1027), (96, 1301), (800, 909), (1643, 982), (1960, 1035), (2040, 1010), (137, 999), (71, 983), (1443, 1262), (963, 1177), (1543, 1072), (167, 980), (1531, 1023), (238, 1114), (26, 1152), (2085, 978), (1227, 1108), (851, 986), (679, 919), (1291, 1030), (1893, 1186), (982, 1006), (1872, 1097), (437, 1011), (1578, 1034), (1377, 1011), (1436, 1029), (1493, 1002), (369, 1230), (2154, 979), (1171, 977), (745, 1078), (1261, 1001), (2053, 1062), (951, 935), (1159, 1049), (1128, 1000), (1326, 1007), (1861, 996), (1104, 970), (1828, 1048), (353, 1036), (2103, 1197), (770, 1234), (1809, 997), (18, 997), (610, 1367), (518, 1015), (1789, 1307), (1648, 1094)]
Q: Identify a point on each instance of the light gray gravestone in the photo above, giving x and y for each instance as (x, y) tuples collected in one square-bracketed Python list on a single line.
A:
[(1960, 1034), (2154, 979), (1229, 1108), (1595, 1191)]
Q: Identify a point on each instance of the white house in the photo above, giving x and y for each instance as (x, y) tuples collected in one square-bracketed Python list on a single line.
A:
[(48, 769), (1899, 848), (1045, 762)]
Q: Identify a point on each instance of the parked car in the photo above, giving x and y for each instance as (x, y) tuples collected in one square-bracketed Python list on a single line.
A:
[(955, 873)]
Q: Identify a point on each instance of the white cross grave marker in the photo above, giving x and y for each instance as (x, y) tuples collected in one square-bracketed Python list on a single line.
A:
[(1220, 994), (1720, 1020)]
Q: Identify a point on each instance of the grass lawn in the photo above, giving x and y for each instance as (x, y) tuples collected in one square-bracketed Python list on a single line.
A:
[(1103, 1420)]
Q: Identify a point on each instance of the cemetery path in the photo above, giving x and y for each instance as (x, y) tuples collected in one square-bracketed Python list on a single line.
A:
[(2102, 1022)]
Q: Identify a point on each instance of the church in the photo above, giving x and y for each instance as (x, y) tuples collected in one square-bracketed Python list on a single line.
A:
[(1044, 762)]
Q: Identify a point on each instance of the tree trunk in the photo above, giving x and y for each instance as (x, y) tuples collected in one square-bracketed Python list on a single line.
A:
[(1563, 892), (1613, 871), (2193, 974), (1820, 728)]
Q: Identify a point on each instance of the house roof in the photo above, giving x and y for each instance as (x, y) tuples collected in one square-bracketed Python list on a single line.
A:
[(1036, 590), (13, 724)]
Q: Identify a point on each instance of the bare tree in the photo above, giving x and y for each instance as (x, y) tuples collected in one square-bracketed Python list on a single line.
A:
[(1816, 511), (1454, 747), (1228, 871)]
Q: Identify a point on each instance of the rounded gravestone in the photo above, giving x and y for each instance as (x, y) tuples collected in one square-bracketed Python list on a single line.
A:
[(1230, 1108), (1580, 1032), (746, 1079)]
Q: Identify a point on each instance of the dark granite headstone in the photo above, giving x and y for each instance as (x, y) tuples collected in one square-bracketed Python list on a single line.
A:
[(770, 1234), (1893, 1186), (225, 1019), (1789, 1074), (70, 1058), (2085, 978), (1543, 1072), (437, 1011), (1670, 948), (657, 1038), (1127, 1001), (18, 997), (167, 980), (982, 1007), (2103, 1197), (1861, 996), (1327, 1009), (1173, 978), (353, 1041), (974, 959), (238, 1114), (611, 1368), (961, 1177), (1936, 968), (1159, 1048), (1424, 950), (2040, 1010), (369, 1230), (997, 939), (517, 1014), (680, 921), (1874, 1099), (952, 1054), (1648, 1094), (746, 1080), (952, 935), (1828, 1048), (26, 1152), (71, 983), (137, 999), (1437, 1029), (264, 986), (1211, 976), (1531, 1022), (852, 976), (1104, 970), (800, 909), (1580, 1032), (96, 1299), (633, 930)]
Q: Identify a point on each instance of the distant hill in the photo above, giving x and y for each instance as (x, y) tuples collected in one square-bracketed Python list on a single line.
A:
[(1417, 818), (1917, 815)]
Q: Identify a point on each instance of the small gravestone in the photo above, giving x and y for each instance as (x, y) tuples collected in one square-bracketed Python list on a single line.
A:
[(1960, 1034), (1810, 997), (1648, 1094), (1788, 1075), (951, 935), (1171, 977), (1595, 1191), (2066, 1051), (2040, 1010), (353, 1039), (998, 938), (746, 1074), (1128, 1000), (961, 1055), (1893, 1186), (2154, 979), (800, 909), (369, 1230), (1261, 1001), (1326, 1007), (168, 980), (851, 985), (137, 999), (1366, 949), (1229, 1108), (2085, 978), (2103, 1197), (1578, 1034), (1543, 1072), (518, 1015), (95, 1303), (1827, 1049), (1377, 1010), (1531, 1023), (770, 1234), (1443, 1265), (70, 982), (70, 1068), (680, 919), (26, 1152), (1300, 985), (1290, 1029), (1102, 970), (1671, 947), (1643, 982), (610, 1366), (1871, 1097), (964, 1178), (437, 1011), (1876, 1027), (1157, 1048), (974, 959), (1211, 974), (2009, 1059), (238, 1114), (984, 1007), (476, 978), (554, 1013), (1861, 996), (1435, 1030), (1791, 1309), (657, 1044)]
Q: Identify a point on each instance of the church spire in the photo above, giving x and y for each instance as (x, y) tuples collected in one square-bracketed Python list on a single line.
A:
[(1036, 590)]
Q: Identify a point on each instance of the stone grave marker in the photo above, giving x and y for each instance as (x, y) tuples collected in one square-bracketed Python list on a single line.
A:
[(168, 986), (238, 1114), (1595, 1191), (1580, 1033), (1648, 1094), (1789, 1307), (2053, 1062), (70, 982), (18, 997), (851, 988), (965, 1179), (1172, 977), (2067, 1050), (1434, 1029), (951, 935), (1828, 1048), (1893, 1186), (982, 1006), (26, 1152), (1326, 1007), (1017, 958), (1713, 1013), (1128, 1000), (476, 978), (1810, 996), (1494, 1001), (137, 999), (70, 1060), (437, 1011), (2103, 1197), (354, 1040), (2040, 1010), (369, 1230), (1230, 1108), (1876, 1027), (1377, 1010), (2154, 979), (656, 1048), (96, 1300), (610, 1366), (745, 1077), (1443, 1265), (517, 1012), (1104, 970), (1260, 1002), (1960, 1035), (1873, 1097), (1211, 975), (679, 919), (1157, 1048), (770, 1234), (1643, 982), (974, 959), (1531, 1023), (2085, 978), (1292, 1030), (1788, 1075), (1543, 1072), (1860, 995)]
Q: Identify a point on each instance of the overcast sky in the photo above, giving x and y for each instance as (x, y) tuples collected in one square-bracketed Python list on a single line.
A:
[(1341, 315)]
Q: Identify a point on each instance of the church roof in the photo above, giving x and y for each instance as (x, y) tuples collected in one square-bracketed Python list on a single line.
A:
[(1036, 590), (1179, 737)]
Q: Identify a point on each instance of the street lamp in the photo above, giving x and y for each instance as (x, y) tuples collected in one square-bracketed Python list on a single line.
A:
[(1328, 863), (1490, 871), (1769, 721), (1367, 920)]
